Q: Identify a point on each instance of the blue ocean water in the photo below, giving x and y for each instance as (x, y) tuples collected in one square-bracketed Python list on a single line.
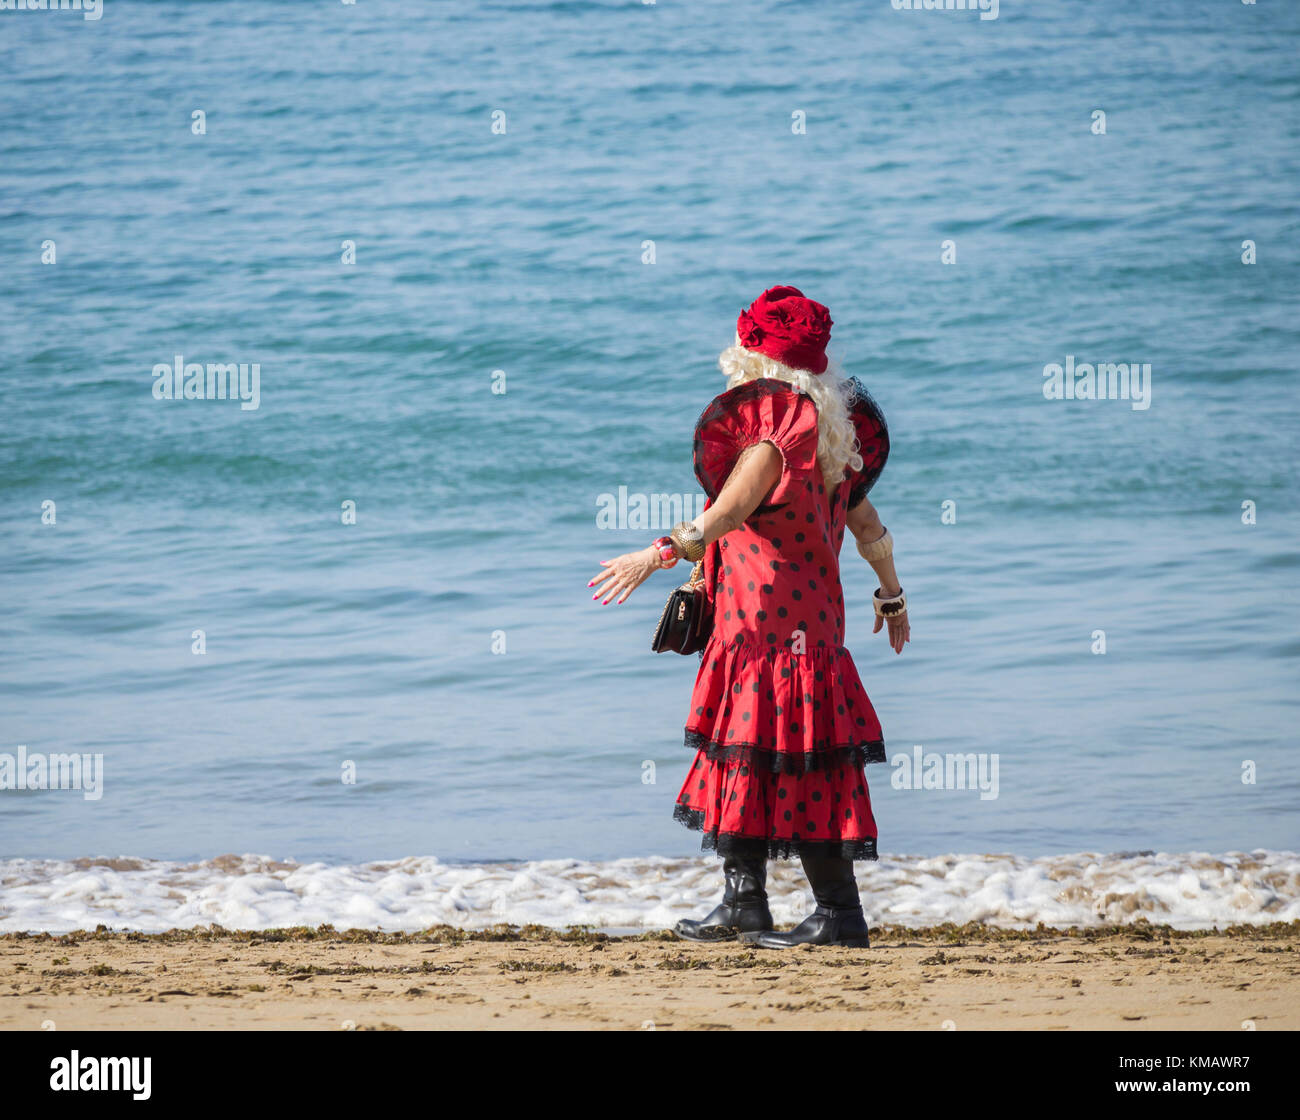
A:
[(524, 251)]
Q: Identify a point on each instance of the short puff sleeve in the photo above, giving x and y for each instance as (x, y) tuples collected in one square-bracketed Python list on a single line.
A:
[(873, 441), (764, 410)]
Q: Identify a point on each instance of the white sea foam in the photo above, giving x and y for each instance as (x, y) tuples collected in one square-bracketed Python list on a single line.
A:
[(1187, 891)]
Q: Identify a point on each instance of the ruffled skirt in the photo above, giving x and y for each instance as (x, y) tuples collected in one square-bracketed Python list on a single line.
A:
[(781, 741)]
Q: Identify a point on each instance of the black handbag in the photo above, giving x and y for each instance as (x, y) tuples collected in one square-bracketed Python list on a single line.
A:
[(687, 621)]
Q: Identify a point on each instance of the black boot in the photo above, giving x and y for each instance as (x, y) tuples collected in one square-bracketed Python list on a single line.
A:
[(838, 919), (744, 904)]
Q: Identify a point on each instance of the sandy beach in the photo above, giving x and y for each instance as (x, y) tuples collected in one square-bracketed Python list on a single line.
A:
[(944, 978)]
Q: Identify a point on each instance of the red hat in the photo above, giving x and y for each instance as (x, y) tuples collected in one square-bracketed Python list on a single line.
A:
[(784, 325)]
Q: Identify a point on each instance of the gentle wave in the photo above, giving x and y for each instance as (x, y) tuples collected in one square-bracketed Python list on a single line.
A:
[(1186, 891)]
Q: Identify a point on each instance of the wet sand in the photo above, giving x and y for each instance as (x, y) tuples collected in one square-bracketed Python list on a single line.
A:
[(945, 978)]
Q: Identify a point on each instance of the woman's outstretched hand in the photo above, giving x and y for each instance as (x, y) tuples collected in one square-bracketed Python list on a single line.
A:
[(624, 574), (900, 633)]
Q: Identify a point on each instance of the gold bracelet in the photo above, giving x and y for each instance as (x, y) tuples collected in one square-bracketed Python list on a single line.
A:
[(879, 549), (689, 540)]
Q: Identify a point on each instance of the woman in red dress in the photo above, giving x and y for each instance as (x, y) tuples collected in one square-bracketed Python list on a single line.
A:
[(779, 721)]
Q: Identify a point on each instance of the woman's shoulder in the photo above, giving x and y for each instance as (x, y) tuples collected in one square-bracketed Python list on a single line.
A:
[(873, 439), (760, 388), (754, 401), (863, 407), (764, 410)]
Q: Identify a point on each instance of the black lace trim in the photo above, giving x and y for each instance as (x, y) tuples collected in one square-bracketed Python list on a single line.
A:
[(732, 844), (874, 455), (788, 762)]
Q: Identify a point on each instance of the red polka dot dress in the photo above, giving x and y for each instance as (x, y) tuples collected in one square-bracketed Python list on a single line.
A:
[(779, 720)]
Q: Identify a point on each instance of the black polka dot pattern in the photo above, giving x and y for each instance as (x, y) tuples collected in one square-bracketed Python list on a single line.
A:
[(780, 721)]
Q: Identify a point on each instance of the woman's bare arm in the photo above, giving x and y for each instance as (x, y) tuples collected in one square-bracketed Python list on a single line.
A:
[(757, 471), (864, 523)]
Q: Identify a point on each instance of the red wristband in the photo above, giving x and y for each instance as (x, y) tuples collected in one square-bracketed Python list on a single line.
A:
[(667, 553)]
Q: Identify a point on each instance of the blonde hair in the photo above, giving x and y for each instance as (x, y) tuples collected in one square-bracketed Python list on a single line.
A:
[(837, 438)]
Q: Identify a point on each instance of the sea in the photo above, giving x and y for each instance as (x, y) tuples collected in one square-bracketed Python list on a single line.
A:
[(327, 644)]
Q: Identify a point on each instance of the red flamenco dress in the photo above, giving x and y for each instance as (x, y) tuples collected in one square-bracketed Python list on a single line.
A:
[(779, 720)]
